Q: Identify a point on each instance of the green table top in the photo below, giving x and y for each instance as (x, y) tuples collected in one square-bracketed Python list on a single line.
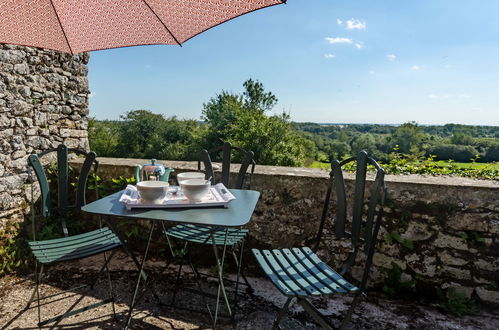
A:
[(238, 213)]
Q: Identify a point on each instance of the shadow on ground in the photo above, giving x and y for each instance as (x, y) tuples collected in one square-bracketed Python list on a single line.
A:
[(255, 311)]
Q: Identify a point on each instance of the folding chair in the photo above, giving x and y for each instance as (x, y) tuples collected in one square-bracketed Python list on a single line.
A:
[(233, 237), (69, 247), (300, 274)]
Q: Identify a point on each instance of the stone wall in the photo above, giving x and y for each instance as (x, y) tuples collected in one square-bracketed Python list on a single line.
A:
[(440, 231), (43, 102)]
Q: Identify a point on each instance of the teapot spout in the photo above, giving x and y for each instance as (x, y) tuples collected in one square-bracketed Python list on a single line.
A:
[(165, 176)]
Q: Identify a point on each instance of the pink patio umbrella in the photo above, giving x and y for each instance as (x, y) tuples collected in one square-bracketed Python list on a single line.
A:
[(75, 26)]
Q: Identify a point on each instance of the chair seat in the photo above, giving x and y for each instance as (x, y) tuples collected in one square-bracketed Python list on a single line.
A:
[(300, 272), (202, 235), (74, 247)]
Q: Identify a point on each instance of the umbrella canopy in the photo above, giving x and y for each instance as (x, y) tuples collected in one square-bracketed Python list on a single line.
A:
[(75, 26)]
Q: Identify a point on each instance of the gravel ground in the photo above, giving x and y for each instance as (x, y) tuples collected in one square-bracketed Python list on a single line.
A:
[(255, 311)]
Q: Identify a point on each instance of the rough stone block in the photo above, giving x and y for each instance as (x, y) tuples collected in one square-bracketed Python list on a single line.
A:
[(490, 264), (448, 259), (447, 241), (417, 232), (385, 261), (423, 265), (457, 273), (488, 295)]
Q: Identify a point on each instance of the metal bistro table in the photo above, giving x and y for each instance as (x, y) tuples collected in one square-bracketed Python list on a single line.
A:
[(238, 213)]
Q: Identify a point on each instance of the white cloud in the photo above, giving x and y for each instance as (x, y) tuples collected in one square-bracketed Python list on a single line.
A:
[(440, 96), (92, 95), (359, 45), (391, 57), (352, 24), (329, 55), (464, 96), (338, 40), (415, 67), (355, 24), (371, 72)]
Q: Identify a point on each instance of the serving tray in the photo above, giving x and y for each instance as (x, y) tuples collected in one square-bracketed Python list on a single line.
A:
[(218, 196)]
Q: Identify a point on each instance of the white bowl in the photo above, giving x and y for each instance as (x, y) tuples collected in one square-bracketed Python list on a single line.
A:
[(188, 176), (152, 191), (195, 189)]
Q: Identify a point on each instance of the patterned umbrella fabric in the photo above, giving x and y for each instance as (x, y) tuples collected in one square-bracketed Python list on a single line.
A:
[(75, 26)]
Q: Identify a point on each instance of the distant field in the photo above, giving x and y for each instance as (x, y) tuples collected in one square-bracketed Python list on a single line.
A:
[(477, 166)]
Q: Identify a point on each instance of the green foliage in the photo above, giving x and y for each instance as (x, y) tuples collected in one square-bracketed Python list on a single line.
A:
[(143, 134), (395, 236), (459, 153), (475, 236), (14, 252), (414, 142), (241, 120), (461, 138), (394, 286), (409, 137), (103, 137), (456, 303)]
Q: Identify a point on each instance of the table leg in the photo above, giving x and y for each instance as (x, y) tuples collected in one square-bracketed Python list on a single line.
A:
[(132, 305), (220, 266), (114, 228)]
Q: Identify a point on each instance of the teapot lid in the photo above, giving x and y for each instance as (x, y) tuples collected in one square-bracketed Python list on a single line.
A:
[(154, 168)]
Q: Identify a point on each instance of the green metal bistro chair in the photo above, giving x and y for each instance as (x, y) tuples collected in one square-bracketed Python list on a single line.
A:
[(232, 237), (51, 251), (299, 273)]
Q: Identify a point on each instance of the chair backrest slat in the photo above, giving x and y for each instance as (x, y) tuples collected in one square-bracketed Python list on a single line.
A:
[(226, 159), (360, 183), (247, 160), (324, 212), (62, 179), (83, 178), (226, 149), (374, 198), (35, 163), (341, 207), (205, 158)]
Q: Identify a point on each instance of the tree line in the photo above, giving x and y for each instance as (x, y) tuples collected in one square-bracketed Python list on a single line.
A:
[(246, 120)]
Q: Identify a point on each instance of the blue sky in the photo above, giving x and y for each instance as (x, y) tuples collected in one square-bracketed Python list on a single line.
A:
[(429, 61)]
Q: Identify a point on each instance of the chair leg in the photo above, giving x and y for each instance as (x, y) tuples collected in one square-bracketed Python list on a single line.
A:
[(110, 283), (38, 283), (316, 315), (282, 312), (198, 283), (177, 283), (348, 316), (240, 271), (37, 274)]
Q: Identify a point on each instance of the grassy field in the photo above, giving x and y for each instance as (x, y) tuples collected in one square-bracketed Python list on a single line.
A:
[(475, 166)]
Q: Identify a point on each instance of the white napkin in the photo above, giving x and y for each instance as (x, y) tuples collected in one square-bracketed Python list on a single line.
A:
[(130, 195)]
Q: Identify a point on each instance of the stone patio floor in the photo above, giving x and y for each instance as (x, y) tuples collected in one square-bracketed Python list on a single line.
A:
[(256, 311)]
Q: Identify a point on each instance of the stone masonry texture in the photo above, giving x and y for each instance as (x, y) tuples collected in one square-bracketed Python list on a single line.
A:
[(43, 102)]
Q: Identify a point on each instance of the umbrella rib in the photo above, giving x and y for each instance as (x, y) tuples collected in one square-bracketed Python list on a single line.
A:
[(167, 29), (62, 28)]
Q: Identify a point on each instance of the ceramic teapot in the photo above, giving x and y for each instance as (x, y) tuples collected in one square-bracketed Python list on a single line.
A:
[(152, 171)]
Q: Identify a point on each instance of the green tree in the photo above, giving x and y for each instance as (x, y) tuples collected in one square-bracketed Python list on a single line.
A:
[(462, 139), (103, 137), (141, 134), (409, 137), (242, 120), (365, 142)]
